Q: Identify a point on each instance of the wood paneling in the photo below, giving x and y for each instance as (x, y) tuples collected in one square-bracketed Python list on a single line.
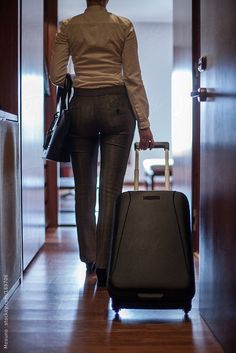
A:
[(32, 124), (9, 56), (185, 113), (59, 310), (218, 170), (51, 191)]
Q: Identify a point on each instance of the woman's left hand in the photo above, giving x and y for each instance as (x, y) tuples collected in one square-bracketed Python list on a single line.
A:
[(146, 139)]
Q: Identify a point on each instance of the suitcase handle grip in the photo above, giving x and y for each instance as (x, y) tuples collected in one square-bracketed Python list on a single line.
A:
[(164, 145)]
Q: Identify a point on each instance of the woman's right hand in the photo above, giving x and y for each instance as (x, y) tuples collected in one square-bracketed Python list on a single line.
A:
[(146, 139)]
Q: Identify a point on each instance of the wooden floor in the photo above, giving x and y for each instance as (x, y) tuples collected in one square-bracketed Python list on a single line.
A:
[(57, 309)]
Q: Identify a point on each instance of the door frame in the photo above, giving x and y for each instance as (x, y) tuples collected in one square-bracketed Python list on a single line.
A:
[(196, 49)]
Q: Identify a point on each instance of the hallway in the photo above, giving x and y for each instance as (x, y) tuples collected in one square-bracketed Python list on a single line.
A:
[(56, 309), (190, 73)]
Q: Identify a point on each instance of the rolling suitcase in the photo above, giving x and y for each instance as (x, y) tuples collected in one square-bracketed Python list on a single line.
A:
[(151, 258)]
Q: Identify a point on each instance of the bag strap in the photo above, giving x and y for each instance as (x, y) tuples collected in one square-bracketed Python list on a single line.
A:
[(64, 93)]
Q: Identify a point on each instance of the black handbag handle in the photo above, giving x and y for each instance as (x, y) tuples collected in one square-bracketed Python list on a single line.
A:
[(63, 97), (64, 93)]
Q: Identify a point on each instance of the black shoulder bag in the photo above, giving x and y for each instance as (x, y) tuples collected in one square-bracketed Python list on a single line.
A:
[(56, 144)]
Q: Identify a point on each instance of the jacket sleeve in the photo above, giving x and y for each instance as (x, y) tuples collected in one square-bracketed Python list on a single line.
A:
[(133, 79), (60, 56)]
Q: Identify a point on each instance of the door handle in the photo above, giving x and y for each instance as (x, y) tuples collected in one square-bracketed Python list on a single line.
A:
[(200, 94)]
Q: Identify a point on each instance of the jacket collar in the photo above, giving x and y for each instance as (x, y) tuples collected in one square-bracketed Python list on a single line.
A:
[(95, 8)]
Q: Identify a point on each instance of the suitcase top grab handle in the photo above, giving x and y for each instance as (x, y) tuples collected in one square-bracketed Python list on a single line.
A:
[(165, 146)]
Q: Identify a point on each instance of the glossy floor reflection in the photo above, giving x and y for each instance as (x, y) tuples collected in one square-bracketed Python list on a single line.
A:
[(58, 309)]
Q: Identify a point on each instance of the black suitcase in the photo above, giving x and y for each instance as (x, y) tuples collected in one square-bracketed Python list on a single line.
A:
[(151, 258)]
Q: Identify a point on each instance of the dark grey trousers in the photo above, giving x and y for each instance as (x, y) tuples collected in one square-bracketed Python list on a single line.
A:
[(99, 117)]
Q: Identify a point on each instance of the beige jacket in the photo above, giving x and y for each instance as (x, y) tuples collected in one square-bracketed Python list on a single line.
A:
[(103, 48)]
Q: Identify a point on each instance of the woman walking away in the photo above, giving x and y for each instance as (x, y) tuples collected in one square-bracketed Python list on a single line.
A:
[(109, 97)]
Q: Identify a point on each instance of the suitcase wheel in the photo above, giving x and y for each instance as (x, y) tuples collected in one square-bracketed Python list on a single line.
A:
[(187, 308), (115, 307)]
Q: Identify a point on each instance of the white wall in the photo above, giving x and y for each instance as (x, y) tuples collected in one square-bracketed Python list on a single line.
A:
[(156, 58)]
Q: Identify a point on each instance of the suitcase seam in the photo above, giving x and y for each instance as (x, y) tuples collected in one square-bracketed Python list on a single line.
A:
[(122, 234), (180, 234)]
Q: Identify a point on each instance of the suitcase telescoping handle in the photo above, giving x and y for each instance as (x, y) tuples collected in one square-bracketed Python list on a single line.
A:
[(163, 145)]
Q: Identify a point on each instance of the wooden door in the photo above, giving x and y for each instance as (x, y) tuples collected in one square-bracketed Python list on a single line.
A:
[(218, 170), (51, 169), (185, 111)]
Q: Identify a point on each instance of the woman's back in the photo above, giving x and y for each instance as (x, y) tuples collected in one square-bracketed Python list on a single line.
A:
[(96, 41)]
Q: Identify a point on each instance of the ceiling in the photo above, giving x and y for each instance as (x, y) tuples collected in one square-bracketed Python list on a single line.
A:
[(135, 10)]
